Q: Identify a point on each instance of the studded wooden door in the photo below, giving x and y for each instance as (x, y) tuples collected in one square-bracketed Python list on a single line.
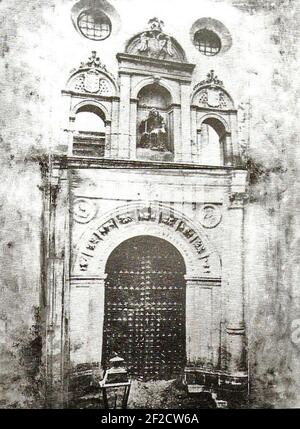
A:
[(144, 320)]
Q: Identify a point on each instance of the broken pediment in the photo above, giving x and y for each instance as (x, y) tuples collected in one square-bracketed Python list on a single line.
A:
[(92, 77), (211, 93)]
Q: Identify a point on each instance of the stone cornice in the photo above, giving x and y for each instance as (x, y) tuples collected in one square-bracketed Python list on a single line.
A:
[(70, 162), (154, 61), (85, 96), (212, 109)]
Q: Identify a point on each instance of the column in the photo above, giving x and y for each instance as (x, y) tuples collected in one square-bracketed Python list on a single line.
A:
[(70, 135), (124, 119), (186, 123), (235, 328), (194, 139), (107, 149)]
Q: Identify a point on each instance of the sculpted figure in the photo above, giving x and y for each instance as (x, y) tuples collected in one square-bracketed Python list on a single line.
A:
[(144, 43), (153, 132), (165, 46)]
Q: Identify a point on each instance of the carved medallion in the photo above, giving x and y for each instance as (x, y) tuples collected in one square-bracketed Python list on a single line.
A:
[(210, 216), (213, 99), (84, 210), (92, 81)]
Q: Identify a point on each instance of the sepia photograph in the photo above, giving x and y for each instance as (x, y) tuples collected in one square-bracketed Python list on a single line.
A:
[(150, 206)]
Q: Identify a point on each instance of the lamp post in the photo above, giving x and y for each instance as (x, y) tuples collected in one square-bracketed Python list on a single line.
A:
[(115, 384)]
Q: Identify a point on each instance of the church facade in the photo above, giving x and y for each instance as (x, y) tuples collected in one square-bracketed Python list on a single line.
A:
[(143, 224)]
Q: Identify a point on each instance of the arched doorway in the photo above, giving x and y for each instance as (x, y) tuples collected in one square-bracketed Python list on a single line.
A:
[(144, 316)]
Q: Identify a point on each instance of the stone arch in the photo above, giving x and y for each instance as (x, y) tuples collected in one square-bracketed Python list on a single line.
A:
[(216, 117), (93, 103), (159, 81), (201, 259), (214, 133)]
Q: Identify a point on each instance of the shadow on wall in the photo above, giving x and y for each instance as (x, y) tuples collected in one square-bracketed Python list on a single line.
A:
[(21, 378)]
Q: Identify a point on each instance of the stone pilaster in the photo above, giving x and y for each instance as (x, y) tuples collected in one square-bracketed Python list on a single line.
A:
[(194, 137), (86, 328), (124, 118), (133, 122), (55, 250), (177, 133), (186, 123), (114, 127), (200, 321), (235, 328)]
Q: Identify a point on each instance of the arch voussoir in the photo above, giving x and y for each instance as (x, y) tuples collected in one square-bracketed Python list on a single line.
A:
[(108, 232)]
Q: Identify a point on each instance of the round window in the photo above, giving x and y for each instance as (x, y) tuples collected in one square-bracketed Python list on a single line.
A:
[(94, 24), (207, 42)]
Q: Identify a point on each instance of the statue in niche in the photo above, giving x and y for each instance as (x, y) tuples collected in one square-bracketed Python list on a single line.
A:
[(153, 132)]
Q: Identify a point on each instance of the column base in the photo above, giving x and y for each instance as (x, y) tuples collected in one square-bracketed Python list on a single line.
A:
[(83, 382), (222, 385)]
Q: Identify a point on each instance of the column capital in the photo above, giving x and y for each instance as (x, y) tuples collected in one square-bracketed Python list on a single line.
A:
[(235, 330), (238, 200), (87, 281), (202, 281)]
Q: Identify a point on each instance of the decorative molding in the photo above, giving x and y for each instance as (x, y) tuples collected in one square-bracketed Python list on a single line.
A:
[(204, 282), (93, 62), (235, 331), (211, 79), (87, 281)]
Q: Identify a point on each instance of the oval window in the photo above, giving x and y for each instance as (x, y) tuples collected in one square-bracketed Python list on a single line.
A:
[(94, 24), (207, 42)]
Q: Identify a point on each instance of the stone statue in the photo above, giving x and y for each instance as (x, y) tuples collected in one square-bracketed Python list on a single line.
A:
[(153, 132)]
